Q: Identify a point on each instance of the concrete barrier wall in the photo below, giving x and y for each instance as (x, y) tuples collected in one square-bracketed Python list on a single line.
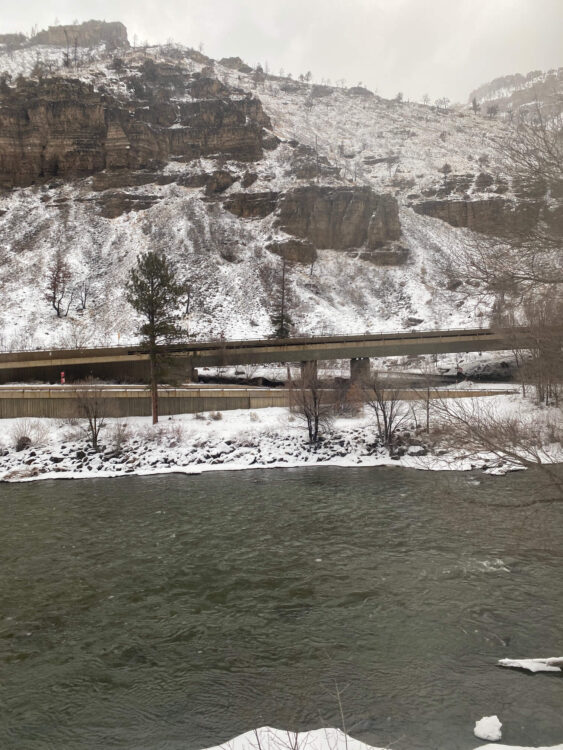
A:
[(61, 403)]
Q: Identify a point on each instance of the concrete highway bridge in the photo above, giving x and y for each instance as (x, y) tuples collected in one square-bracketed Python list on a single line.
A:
[(130, 363)]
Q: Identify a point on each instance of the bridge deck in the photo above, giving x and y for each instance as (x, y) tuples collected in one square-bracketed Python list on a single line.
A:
[(260, 351)]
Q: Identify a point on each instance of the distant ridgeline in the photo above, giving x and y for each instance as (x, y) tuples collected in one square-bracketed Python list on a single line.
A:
[(514, 91), (88, 34)]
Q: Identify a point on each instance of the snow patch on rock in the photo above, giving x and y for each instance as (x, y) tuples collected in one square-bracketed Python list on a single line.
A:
[(553, 664), (488, 728)]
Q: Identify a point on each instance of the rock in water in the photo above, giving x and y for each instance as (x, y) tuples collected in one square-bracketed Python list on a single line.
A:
[(553, 664), (488, 728)]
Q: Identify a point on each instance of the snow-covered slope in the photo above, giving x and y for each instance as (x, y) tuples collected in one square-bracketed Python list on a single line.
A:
[(512, 92), (392, 147)]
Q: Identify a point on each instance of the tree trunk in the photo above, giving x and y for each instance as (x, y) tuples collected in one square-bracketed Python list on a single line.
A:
[(154, 388)]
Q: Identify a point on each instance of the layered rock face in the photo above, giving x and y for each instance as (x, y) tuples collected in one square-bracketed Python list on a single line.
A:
[(64, 128), (252, 205), (340, 218), (88, 34), (494, 216), (294, 251)]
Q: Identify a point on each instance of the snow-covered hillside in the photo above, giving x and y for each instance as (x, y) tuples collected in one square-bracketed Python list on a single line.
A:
[(512, 92), (393, 147)]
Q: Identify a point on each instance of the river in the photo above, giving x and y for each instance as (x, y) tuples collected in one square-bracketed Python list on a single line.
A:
[(175, 612)]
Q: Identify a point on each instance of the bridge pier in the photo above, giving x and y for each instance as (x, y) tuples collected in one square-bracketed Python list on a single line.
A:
[(176, 370), (309, 370), (359, 369)]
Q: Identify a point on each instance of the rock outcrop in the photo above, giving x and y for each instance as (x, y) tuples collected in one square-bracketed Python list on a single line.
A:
[(252, 205), (235, 63), (59, 127), (306, 164), (392, 255), (125, 178), (88, 34), (340, 218), (497, 217), (116, 202), (294, 251)]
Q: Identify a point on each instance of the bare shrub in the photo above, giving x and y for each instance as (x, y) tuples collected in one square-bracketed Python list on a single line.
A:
[(27, 433), (347, 399), (533, 442), (388, 410), (152, 434), (175, 432), (250, 371), (75, 336), (311, 403), (424, 392), (120, 434), (92, 409)]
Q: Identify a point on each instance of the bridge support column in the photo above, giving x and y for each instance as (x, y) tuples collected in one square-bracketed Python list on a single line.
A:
[(177, 370), (359, 370), (191, 371), (309, 370)]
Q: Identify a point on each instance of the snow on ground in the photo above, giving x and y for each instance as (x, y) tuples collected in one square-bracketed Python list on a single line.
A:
[(232, 440), (268, 738)]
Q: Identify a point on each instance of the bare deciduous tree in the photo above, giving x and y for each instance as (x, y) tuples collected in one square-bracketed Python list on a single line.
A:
[(83, 291), (92, 410), (529, 259), (544, 364), (426, 391), (310, 401), (531, 443), (59, 290), (388, 409)]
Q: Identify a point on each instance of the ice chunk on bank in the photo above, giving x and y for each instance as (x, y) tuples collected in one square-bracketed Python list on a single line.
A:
[(267, 738), (488, 728), (553, 664)]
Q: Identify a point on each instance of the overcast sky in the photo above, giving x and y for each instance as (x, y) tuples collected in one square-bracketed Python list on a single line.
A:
[(439, 47)]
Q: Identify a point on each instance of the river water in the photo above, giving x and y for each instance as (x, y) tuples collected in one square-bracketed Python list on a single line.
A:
[(175, 612)]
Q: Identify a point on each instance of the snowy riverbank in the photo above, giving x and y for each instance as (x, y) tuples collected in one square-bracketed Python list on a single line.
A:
[(267, 738), (233, 440)]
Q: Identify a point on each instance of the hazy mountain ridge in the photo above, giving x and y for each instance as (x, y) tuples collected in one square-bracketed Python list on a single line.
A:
[(512, 92)]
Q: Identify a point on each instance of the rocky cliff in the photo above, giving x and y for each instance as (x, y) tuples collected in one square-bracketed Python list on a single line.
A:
[(494, 216), (59, 127), (88, 34), (340, 218)]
